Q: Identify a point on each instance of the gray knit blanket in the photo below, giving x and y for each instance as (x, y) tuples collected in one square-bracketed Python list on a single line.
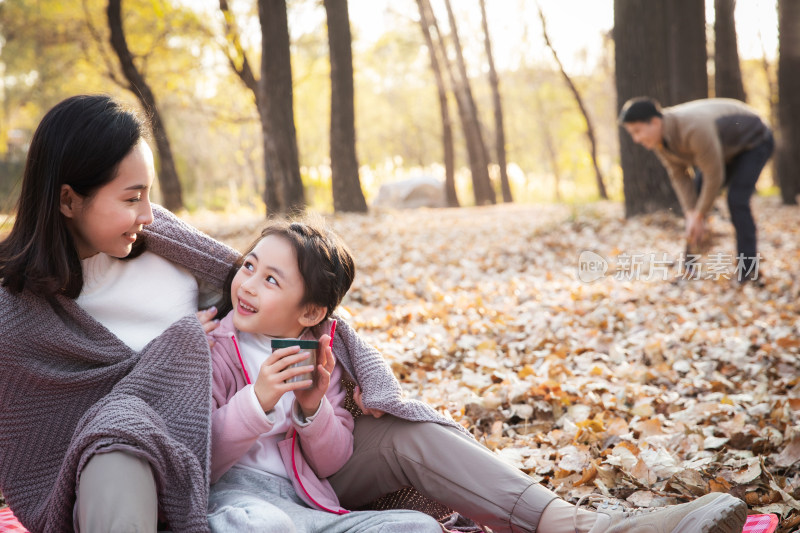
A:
[(70, 388)]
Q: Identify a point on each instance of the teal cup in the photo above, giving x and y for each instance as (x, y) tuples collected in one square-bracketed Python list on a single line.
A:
[(309, 347)]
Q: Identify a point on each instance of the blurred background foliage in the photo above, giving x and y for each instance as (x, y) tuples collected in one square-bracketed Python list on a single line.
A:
[(55, 48)]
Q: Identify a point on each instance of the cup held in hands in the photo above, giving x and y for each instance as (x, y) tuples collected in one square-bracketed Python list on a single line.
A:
[(310, 347)]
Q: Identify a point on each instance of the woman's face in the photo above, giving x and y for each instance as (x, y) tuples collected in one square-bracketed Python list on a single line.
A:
[(266, 292), (108, 221)]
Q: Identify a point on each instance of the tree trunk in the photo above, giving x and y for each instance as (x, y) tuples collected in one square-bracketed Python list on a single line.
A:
[(660, 52), (550, 146), (641, 69), (347, 194), (425, 14), (772, 97), (500, 136), (727, 72), (788, 156), (601, 187), (461, 105), (241, 66), (284, 190), (688, 54), (476, 149), (167, 175)]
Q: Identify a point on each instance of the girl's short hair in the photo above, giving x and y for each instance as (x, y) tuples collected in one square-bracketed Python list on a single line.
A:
[(80, 142), (324, 262)]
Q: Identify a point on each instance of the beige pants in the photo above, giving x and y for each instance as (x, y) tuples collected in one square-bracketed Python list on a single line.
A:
[(116, 494), (443, 465)]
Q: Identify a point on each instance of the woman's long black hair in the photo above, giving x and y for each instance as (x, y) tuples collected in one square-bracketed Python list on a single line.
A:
[(80, 142)]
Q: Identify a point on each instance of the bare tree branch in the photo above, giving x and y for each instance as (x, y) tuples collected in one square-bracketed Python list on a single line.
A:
[(168, 175), (234, 51), (425, 16), (601, 188), (494, 82), (109, 64)]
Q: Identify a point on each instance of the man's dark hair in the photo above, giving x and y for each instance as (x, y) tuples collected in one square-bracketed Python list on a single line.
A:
[(80, 142), (639, 109), (324, 262)]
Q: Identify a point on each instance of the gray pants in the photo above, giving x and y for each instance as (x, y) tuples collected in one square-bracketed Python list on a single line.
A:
[(443, 465), (389, 454), (244, 500), (116, 494)]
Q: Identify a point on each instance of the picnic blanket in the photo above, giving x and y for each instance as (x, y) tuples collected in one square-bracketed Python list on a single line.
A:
[(756, 523), (9, 522)]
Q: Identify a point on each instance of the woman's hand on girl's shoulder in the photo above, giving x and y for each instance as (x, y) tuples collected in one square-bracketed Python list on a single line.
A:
[(209, 322)]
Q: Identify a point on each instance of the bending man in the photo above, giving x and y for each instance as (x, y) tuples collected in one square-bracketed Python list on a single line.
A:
[(718, 142)]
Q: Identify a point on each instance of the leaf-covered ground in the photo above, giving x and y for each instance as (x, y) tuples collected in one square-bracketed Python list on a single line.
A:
[(643, 384)]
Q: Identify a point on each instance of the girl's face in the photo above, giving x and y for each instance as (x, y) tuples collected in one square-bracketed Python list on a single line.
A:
[(266, 292), (109, 220)]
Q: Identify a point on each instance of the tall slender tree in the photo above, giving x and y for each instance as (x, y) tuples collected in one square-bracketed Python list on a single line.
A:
[(641, 71), (548, 138), (660, 51), (601, 186), (274, 99), (687, 53), (476, 148), (727, 71), (275, 86), (137, 84), (347, 193), (425, 16), (788, 156), (770, 74), (499, 130)]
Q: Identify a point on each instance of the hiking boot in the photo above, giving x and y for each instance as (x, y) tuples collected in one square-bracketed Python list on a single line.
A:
[(712, 513)]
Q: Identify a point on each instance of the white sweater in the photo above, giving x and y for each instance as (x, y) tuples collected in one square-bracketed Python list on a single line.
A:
[(264, 454), (136, 299)]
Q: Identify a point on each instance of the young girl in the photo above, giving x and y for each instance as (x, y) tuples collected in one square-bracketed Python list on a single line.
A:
[(275, 439), (104, 388)]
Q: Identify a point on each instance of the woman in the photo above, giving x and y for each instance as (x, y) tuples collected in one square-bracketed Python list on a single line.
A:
[(104, 393)]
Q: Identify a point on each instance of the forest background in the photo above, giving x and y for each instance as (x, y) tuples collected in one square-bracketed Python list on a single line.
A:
[(182, 49)]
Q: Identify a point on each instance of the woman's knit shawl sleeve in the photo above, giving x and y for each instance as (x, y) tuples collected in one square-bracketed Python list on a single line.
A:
[(174, 239), (379, 386)]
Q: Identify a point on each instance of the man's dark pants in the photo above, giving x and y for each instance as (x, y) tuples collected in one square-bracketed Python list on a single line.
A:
[(741, 175)]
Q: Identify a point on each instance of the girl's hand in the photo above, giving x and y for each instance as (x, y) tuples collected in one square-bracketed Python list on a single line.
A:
[(209, 323), (377, 413), (310, 399), (271, 383)]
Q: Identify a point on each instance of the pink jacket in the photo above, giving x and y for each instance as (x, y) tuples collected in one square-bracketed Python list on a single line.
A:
[(310, 453)]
